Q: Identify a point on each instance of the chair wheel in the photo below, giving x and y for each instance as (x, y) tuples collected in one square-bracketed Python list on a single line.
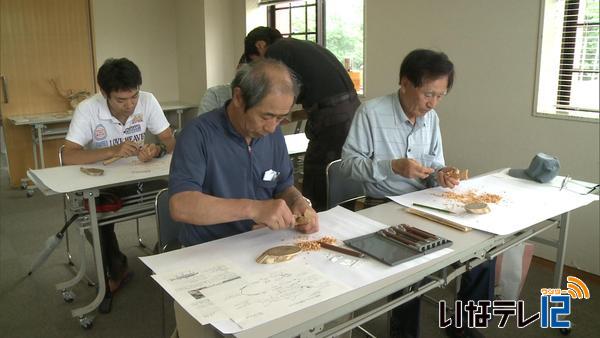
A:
[(29, 193), (85, 322), (68, 296)]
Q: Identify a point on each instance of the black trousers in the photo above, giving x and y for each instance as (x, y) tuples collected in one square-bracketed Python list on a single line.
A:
[(114, 261), (476, 284), (326, 129)]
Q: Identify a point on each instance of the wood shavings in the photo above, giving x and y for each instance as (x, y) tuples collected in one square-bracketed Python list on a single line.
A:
[(472, 196), (315, 245)]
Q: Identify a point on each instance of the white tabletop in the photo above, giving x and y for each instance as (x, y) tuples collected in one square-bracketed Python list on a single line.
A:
[(176, 105), (46, 118), (66, 116), (69, 178), (363, 278), (523, 202), (367, 281)]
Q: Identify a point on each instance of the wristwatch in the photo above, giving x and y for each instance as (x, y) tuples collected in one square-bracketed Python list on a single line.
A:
[(163, 149)]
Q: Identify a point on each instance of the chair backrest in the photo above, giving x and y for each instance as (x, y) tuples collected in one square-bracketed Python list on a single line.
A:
[(60, 155), (167, 228), (340, 189)]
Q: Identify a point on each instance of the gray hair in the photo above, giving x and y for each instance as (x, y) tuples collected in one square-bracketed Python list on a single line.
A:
[(255, 81)]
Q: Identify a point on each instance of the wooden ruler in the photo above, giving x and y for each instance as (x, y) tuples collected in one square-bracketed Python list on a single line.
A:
[(438, 219)]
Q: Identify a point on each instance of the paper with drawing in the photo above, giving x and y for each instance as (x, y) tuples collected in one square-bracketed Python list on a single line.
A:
[(186, 285), (336, 272), (256, 298)]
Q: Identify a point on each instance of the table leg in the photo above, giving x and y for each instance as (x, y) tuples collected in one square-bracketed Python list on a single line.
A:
[(40, 128), (179, 124), (82, 311), (64, 286), (563, 225), (34, 142)]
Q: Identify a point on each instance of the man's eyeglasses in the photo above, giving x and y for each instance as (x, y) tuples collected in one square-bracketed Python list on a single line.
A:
[(568, 180), (432, 94)]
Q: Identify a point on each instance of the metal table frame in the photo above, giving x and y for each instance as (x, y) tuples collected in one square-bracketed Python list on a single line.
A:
[(179, 108), (135, 206), (40, 132), (440, 274)]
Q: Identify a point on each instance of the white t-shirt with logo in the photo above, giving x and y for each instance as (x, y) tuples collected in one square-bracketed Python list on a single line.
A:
[(93, 125)]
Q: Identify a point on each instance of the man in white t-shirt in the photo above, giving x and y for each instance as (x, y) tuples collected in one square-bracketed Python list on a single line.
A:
[(113, 124)]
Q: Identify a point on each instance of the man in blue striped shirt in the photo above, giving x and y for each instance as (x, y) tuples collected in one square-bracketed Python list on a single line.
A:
[(395, 147)]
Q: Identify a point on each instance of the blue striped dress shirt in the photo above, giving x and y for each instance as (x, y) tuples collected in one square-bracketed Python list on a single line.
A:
[(380, 133)]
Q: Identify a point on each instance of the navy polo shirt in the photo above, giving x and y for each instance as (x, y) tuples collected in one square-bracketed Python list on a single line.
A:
[(213, 158)]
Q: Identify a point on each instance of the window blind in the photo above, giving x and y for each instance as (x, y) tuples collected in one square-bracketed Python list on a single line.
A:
[(578, 68)]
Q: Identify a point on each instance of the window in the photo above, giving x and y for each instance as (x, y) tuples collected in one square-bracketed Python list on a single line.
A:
[(296, 19), (334, 24), (568, 72)]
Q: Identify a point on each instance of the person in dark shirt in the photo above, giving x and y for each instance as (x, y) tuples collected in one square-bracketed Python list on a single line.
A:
[(231, 172), (327, 95)]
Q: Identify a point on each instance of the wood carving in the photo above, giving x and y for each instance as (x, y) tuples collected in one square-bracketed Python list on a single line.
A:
[(73, 97)]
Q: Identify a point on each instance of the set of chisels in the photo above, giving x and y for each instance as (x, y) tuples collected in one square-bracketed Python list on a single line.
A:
[(397, 244)]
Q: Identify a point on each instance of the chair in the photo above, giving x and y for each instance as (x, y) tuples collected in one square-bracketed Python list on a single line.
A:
[(167, 228), (168, 234), (341, 189)]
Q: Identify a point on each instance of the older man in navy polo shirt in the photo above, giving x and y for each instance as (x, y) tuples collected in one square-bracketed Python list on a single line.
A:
[(231, 171)]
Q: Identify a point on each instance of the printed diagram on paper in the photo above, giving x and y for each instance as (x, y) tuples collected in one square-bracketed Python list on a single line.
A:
[(203, 278), (186, 285), (260, 297), (248, 299)]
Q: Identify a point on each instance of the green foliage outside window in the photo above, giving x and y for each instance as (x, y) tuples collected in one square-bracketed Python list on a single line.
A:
[(344, 30)]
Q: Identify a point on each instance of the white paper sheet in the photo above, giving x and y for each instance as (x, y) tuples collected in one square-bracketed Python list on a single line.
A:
[(259, 297), (243, 249), (523, 203), (187, 284)]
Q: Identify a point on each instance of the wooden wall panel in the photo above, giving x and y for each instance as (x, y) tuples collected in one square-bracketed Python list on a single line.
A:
[(40, 41)]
